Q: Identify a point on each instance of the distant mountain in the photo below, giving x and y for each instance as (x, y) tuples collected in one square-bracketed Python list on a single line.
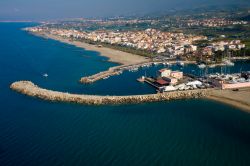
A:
[(202, 9)]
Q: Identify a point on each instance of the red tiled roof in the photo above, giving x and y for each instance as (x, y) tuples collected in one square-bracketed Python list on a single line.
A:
[(161, 82)]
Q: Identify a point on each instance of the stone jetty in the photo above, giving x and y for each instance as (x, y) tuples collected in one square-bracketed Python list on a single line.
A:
[(111, 72), (30, 89), (119, 69)]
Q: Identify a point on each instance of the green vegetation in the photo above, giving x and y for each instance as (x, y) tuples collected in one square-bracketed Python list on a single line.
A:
[(201, 43), (120, 48), (220, 55), (131, 50), (247, 43)]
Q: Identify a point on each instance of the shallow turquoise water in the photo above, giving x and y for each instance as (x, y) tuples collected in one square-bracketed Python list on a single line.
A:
[(35, 132)]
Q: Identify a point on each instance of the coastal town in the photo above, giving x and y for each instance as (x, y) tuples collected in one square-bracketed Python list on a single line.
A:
[(167, 44), (150, 40), (215, 22), (140, 47)]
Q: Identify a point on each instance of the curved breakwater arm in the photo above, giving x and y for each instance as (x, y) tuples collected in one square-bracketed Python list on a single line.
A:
[(30, 89)]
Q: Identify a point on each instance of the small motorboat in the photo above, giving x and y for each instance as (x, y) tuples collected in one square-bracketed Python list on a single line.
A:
[(45, 75), (180, 63), (229, 63), (202, 66)]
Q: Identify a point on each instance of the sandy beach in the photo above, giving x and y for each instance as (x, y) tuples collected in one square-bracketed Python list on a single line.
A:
[(239, 99), (113, 55)]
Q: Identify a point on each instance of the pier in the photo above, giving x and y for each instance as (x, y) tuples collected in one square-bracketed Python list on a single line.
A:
[(111, 72), (119, 69), (30, 89), (150, 82)]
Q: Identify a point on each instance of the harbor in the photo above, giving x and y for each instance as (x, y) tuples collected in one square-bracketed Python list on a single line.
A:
[(167, 80), (230, 81), (131, 68), (117, 70)]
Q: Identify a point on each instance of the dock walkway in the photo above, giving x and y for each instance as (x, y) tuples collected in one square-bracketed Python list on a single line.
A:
[(111, 72)]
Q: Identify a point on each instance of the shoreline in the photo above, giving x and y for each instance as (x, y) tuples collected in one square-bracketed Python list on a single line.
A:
[(238, 99), (241, 58), (116, 56)]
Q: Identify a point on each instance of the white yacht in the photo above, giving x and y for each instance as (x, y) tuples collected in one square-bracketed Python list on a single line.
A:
[(229, 63), (212, 66), (106, 77), (180, 63), (202, 66)]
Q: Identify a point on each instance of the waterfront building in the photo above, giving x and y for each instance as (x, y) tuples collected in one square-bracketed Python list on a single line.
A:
[(161, 82), (167, 73), (164, 72), (171, 80), (177, 74)]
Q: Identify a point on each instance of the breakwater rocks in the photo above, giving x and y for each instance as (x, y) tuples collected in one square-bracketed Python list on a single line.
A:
[(30, 89), (117, 70), (110, 72)]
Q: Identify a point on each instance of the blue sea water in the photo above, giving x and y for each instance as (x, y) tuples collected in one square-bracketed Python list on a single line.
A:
[(36, 132)]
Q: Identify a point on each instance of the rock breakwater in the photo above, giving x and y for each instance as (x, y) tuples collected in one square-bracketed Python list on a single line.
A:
[(30, 89), (111, 72)]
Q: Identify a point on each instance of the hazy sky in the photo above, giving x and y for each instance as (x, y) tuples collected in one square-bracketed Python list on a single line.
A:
[(53, 9)]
